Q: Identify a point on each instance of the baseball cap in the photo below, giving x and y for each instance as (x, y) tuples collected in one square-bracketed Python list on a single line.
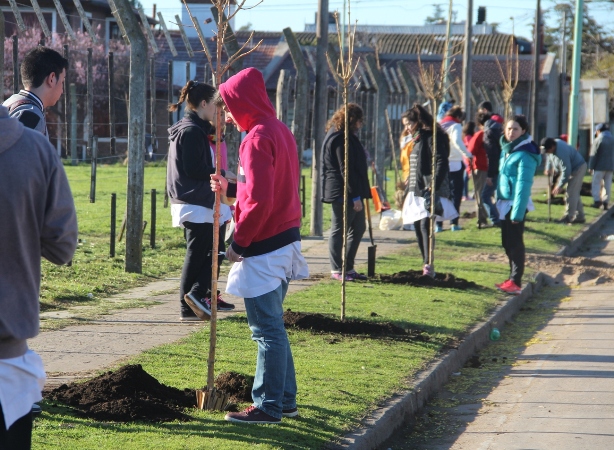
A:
[(601, 127)]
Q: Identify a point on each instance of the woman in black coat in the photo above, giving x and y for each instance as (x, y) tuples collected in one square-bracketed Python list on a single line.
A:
[(332, 173), (419, 122)]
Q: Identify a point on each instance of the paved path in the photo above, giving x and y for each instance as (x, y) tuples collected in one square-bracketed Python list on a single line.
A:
[(561, 396)]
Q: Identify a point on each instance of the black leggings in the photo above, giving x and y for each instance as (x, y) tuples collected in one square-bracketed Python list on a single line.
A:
[(512, 238), (423, 231), (196, 273), (19, 436)]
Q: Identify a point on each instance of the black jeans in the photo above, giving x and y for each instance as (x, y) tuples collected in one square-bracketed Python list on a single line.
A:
[(19, 436), (512, 238), (356, 227), (423, 231), (196, 273)]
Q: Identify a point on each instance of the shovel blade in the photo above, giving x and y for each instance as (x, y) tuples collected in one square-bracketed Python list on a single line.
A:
[(371, 260)]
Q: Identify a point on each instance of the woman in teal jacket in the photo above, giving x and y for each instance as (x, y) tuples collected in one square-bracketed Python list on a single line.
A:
[(519, 159)]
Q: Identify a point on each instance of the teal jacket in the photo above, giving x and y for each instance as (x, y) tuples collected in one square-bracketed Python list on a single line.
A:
[(517, 165)]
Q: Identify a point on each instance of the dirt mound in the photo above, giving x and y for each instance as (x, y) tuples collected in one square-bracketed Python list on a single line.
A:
[(563, 270), (327, 324), (415, 278), (238, 386), (126, 395)]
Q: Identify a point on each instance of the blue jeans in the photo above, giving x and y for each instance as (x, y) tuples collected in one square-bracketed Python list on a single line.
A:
[(488, 201), (275, 381)]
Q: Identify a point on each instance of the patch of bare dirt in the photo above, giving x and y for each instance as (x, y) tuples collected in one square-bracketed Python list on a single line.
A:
[(130, 394), (563, 270), (327, 324), (416, 278), (126, 395), (237, 385)]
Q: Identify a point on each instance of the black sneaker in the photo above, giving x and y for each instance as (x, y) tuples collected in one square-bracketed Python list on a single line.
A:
[(37, 410), (199, 306), (582, 220), (187, 315), (221, 304), (251, 415), (564, 219), (291, 412)]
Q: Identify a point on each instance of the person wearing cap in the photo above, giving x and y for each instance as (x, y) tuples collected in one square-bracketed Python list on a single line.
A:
[(601, 165), (572, 168)]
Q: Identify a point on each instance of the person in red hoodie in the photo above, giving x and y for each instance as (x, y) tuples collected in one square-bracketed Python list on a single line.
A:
[(266, 249), (480, 167)]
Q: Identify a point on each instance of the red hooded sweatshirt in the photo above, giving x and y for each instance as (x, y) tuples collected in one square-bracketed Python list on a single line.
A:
[(268, 212)]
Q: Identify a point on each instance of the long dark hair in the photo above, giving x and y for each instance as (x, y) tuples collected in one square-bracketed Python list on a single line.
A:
[(194, 93), (418, 114), (355, 114)]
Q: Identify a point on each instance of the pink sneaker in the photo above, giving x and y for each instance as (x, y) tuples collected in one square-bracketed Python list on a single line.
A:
[(511, 288), (428, 271), (500, 285), (338, 277)]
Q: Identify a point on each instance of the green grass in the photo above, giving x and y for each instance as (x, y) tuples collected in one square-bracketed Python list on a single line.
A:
[(341, 379)]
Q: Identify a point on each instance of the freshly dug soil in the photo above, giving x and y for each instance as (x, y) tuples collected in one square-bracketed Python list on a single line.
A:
[(327, 324), (415, 278), (238, 386), (126, 395)]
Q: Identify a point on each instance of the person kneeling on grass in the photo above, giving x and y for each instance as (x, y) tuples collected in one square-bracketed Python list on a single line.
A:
[(266, 250)]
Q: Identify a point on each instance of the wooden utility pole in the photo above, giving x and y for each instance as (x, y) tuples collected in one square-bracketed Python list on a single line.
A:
[(446, 58), (302, 91), (536, 70), (467, 61), (320, 115), (136, 135), (563, 76), (111, 104), (381, 128)]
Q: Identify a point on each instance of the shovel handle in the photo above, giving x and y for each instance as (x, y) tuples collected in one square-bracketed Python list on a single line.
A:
[(369, 220)]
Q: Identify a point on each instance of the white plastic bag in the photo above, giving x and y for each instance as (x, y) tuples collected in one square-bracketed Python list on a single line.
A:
[(390, 220), (414, 210)]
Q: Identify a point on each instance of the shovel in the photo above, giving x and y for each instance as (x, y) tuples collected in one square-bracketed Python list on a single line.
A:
[(372, 248)]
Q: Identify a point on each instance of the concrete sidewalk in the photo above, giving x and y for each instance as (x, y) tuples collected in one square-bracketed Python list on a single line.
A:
[(560, 397)]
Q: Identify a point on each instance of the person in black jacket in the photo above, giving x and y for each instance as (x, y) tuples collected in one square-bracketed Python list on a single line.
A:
[(332, 173), (190, 165), (419, 122)]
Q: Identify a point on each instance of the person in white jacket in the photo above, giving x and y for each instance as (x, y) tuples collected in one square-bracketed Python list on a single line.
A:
[(451, 123)]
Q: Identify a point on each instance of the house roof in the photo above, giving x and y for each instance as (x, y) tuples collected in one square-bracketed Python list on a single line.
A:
[(394, 51)]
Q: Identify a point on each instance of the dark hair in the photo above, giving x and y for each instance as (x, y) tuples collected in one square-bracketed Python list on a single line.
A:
[(469, 129), (194, 93), (548, 143), (522, 121), (418, 114), (355, 114), (482, 117), (456, 112), (39, 63), (486, 105)]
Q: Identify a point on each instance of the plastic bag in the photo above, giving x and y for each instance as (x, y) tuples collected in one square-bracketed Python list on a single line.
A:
[(391, 220)]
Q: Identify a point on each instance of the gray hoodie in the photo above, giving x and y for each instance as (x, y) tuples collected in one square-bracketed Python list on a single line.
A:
[(601, 157), (38, 220)]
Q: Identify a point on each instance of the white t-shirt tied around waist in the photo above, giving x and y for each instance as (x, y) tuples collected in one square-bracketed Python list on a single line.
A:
[(258, 275), (22, 380)]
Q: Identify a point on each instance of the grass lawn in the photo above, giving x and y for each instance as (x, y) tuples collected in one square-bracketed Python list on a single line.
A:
[(341, 379)]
